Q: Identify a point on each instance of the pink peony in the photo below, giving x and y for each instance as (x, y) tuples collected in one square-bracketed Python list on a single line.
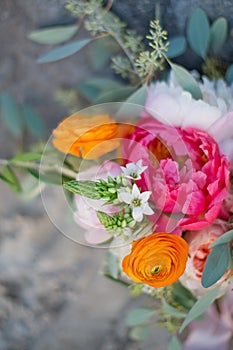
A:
[(85, 213), (186, 173)]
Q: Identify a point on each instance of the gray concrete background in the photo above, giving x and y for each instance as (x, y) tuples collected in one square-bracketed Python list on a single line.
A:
[(51, 293)]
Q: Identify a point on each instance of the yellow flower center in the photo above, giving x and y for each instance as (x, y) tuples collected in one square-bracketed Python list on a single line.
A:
[(136, 202)]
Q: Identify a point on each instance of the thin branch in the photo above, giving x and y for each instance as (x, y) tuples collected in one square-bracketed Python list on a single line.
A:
[(40, 167)]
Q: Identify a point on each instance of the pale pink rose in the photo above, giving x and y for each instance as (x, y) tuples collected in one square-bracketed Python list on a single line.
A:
[(186, 173), (85, 213), (199, 242)]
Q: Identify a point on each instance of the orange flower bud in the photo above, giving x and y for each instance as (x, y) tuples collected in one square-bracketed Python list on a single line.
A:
[(87, 136), (157, 260)]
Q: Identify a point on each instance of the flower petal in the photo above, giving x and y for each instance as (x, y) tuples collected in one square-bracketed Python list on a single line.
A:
[(137, 214), (125, 197)]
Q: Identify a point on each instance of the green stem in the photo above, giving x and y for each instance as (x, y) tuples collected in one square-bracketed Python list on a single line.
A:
[(40, 167)]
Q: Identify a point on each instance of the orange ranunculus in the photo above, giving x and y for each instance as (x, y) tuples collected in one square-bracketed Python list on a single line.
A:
[(87, 136), (157, 260)]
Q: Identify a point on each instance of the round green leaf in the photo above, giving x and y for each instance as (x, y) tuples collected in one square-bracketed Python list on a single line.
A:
[(186, 80), (177, 46), (218, 34), (63, 51), (198, 32), (216, 265), (55, 35)]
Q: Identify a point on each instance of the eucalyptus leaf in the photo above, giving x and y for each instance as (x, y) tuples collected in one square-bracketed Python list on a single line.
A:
[(174, 344), (227, 237), (92, 88), (198, 32), (183, 296), (63, 51), (138, 97), (33, 121), (11, 115), (139, 333), (200, 306), (218, 34), (186, 80), (102, 51), (216, 265), (171, 310), (10, 178), (116, 95), (177, 46), (112, 265), (139, 316), (54, 35), (229, 75)]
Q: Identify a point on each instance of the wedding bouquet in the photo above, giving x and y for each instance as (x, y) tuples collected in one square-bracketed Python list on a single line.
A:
[(150, 177)]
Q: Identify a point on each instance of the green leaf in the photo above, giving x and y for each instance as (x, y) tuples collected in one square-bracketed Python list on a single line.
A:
[(83, 188), (55, 35), (174, 344), (138, 97), (186, 80), (10, 178), (63, 51), (229, 75), (227, 237), (92, 88), (31, 187), (112, 265), (200, 306), (26, 157), (218, 34), (171, 310), (198, 32), (182, 296), (116, 95), (139, 316), (102, 51), (139, 333), (49, 176), (216, 265), (33, 121), (11, 115), (177, 46)]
